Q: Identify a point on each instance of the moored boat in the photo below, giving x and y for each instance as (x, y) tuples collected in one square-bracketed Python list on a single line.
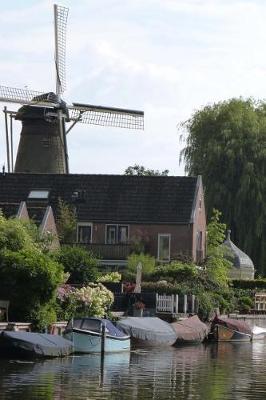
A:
[(30, 344), (190, 330), (96, 335), (148, 331), (230, 330)]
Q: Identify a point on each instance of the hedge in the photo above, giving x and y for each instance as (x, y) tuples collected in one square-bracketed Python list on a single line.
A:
[(254, 284)]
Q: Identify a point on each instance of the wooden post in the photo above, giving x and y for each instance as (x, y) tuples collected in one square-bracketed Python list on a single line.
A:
[(185, 303), (193, 304), (176, 303), (103, 340)]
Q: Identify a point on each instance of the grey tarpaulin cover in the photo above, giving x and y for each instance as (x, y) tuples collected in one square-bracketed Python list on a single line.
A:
[(150, 329), (35, 344), (190, 330)]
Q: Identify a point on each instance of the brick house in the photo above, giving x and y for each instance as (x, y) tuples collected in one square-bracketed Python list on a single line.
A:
[(119, 214)]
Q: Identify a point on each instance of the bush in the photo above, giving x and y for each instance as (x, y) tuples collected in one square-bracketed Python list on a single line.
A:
[(79, 263), (175, 272), (93, 300), (249, 284), (147, 261), (29, 279), (111, 277)]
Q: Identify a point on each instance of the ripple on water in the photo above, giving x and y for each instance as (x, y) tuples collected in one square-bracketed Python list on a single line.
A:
[(205, 372)]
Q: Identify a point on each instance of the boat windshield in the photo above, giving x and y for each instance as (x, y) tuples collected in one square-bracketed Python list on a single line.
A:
[(91, 325)]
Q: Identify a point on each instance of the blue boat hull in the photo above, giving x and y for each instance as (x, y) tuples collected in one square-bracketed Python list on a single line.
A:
[(91, 342)]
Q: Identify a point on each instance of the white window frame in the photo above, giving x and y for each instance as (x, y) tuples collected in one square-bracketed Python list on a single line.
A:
[(39, 194), (158, 246), (117, 227), (80, 224)]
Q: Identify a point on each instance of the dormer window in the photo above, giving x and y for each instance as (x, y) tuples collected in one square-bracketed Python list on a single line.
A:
[(38, 195)]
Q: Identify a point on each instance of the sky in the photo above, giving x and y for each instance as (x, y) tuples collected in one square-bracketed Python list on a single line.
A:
[(168, 58)]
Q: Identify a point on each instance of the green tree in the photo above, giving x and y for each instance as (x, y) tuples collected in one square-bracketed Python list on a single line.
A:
[(79, 263), (29, 276), (226, 144), (216, 264), (66, 222), (139, 170)]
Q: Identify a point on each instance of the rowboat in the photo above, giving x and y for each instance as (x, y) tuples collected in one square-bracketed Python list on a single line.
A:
[(96, 335), (230, 330)]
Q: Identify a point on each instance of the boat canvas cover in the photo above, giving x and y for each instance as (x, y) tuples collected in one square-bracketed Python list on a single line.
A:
[(150, 329), (234, 324), (95, 325), (190, 330), (41, 344)]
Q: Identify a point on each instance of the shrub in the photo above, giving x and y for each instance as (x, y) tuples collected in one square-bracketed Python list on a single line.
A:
[(92, 300), (29, 279), (147, 261), (249, 284), (111, 277), (79, 263), (175, 272)]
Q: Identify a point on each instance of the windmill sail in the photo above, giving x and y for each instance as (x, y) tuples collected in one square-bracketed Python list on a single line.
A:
[(107, 116), (43, 145), (60, 24)]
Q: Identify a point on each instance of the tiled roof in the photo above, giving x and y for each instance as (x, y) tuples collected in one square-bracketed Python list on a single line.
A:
[(108, 198)]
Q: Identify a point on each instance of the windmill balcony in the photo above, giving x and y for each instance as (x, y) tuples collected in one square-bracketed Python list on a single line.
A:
[(118, 251)]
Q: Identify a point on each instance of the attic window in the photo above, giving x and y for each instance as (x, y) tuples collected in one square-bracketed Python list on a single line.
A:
[(38, 194)]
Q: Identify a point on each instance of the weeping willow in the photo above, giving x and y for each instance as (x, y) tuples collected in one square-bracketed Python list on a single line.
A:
[(226, 144)]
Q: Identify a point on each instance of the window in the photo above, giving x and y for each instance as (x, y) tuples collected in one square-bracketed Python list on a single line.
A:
[(84, 232), (38, 194), (116, 234), (164, 246)]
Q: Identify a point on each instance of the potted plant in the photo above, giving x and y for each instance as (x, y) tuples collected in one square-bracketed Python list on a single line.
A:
[(138, 308)]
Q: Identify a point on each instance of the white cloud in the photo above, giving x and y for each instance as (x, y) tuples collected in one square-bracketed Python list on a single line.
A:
[(169, 57)]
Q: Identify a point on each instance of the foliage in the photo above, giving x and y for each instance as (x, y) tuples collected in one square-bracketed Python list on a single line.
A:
[(28, 276), (249, 284), (79, 263), (226, 145), (139, 170), (92, 300), (175, 272), (65, 304), (15, 235), (216, 264), (29, 280), (111, 277), (147, 262), (66, 222)]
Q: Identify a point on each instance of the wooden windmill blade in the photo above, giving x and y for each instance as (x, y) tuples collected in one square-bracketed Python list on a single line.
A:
[(106, 116), (25, 96), (60, 26)]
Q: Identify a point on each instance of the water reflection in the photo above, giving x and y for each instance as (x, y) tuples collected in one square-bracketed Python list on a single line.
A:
[(213, 372)]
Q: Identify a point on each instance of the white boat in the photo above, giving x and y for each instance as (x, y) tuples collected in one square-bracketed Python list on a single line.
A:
[(258, 333), (96, 335)]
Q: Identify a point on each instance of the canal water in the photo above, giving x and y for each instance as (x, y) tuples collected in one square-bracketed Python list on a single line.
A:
[(222, 371)]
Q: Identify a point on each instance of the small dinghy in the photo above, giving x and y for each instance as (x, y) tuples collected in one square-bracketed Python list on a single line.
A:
[(230, 330), (148, 331), (96, 335), (29, 344), (190, 330)]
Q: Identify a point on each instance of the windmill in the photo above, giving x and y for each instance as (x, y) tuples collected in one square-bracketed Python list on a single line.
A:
[(43, 144)]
